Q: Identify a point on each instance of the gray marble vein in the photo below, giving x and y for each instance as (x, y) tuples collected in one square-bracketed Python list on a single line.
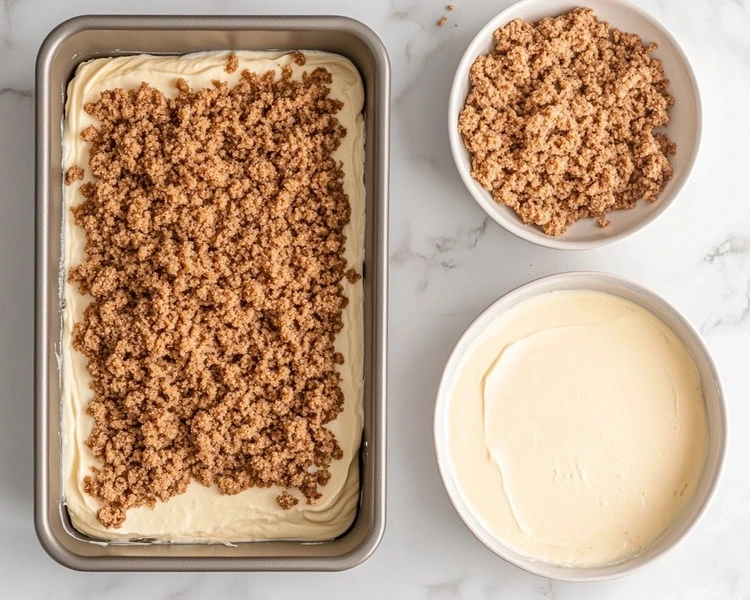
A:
[(443, 252), (735, 245), (546, 591), (448, 590), (24, 94), (731, 259), (403, 10), (7, 23)]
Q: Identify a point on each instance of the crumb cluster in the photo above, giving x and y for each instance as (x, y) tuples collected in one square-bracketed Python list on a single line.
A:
[(215, 259), (233, 63), (560, 120), (444, 19), (73, 174)]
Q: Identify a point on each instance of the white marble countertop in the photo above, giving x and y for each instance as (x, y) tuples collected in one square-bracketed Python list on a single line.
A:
[(447, 263)]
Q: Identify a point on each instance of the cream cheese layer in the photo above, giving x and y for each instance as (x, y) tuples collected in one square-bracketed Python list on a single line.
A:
[(202, 513), (578, 428)]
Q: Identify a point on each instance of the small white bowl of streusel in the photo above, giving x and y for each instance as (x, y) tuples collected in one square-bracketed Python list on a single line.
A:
[(574, 124)]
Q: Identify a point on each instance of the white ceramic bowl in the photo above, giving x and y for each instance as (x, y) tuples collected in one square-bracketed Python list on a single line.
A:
[(712, 392), (684, 127)]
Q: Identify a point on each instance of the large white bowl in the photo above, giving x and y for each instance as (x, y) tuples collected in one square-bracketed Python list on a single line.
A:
[(712, 393), (684, 127)]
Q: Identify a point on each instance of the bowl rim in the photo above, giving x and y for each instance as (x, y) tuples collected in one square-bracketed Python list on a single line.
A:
[(511, 298), (512, 223)]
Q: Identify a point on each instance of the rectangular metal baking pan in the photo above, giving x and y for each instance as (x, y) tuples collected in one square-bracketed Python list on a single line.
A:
[(86, 37)]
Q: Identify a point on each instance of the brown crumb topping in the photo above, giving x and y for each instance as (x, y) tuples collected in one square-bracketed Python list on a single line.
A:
[(215, 259), (286, 500), (299, 59), (352, 276), (561, 118), (442, 21), (233, 63), (75, 173)]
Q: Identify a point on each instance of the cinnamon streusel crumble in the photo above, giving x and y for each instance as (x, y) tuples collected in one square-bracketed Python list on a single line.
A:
[(562, 120), (215, 259)]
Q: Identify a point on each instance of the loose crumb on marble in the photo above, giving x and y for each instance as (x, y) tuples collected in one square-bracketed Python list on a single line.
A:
[(75, 173), (214, 260), (233, 63), (561, 120), (449, 7), (442, 21)]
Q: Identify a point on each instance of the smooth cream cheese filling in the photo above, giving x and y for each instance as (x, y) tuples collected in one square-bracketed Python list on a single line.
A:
[(202, 513), (578, 428)]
